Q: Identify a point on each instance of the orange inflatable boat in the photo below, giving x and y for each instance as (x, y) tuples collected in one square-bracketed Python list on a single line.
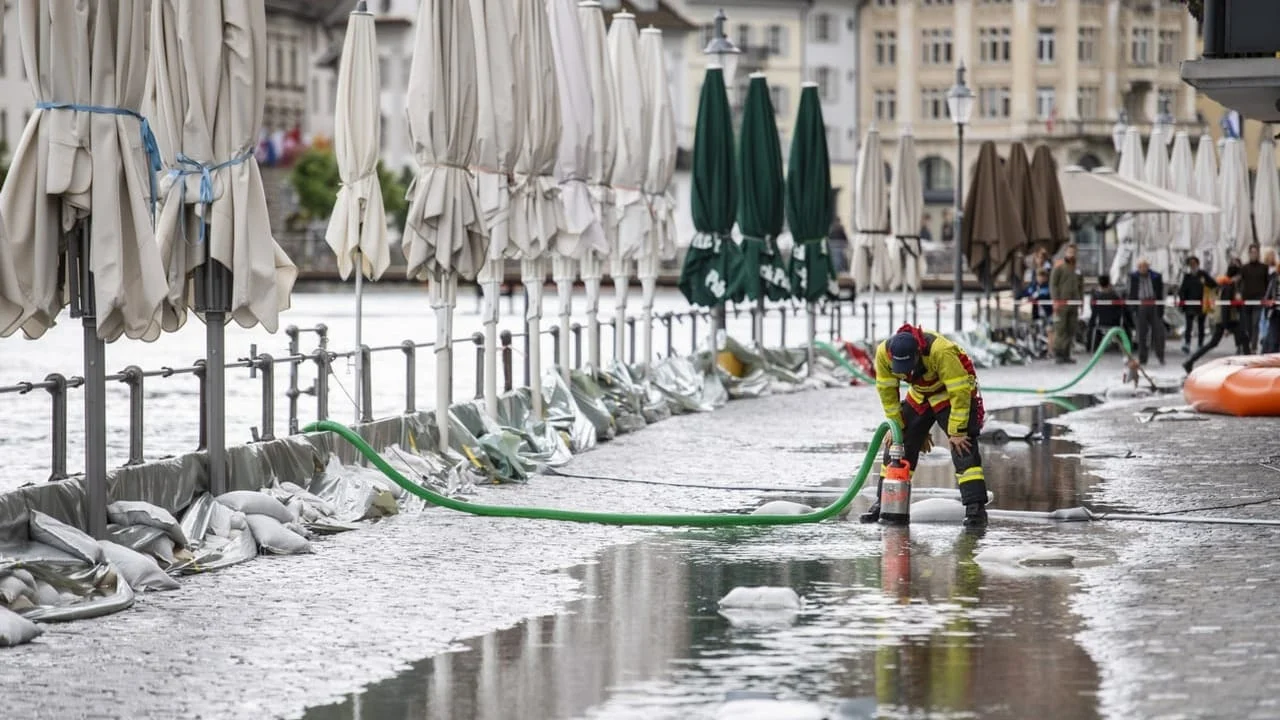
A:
[(1247, 385)]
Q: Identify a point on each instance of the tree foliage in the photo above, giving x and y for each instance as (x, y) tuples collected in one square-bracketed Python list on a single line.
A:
[(4, 160), (1196, 8), (316, 180)]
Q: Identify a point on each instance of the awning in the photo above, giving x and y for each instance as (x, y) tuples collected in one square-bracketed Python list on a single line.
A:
[(1103, 191)]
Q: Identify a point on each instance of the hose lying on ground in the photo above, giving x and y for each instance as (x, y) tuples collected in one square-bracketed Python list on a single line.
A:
[(607, 518), (1112, 336)]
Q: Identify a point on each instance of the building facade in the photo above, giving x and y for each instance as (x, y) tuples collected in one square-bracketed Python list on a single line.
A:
[(1054, 72)]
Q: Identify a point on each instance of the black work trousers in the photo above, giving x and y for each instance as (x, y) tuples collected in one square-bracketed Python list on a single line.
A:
[(1242, 341), (1195, 320), (918, 422)]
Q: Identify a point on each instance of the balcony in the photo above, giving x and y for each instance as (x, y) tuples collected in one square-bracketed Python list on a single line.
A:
[(1240, 66)]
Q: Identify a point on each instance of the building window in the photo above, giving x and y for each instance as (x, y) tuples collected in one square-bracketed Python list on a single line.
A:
[(293, 66), (937, 2), (3, 51), (1045, 45), (823, 28), (778, 95), (383, 69), (1087, 46), (1087, 103), (315, 95), (4, 130), (744, 37), (886, 47), (1048, 2), (1166, 52), (828, 87), (937, 46), (934, 104), (708, 34), (886, 3), (886, 104), (386, 6), (1140, 46), (936, 174), (1167, 101), (993, 44), (993, 102), (1046, 103), (777, 39)]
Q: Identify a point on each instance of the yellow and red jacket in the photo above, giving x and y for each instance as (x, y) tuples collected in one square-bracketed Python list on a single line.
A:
[(949, 380)]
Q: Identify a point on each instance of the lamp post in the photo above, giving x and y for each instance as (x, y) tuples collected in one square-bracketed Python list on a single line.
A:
[(960, 104), (724, 54), (1164, 125), (1117, 135)]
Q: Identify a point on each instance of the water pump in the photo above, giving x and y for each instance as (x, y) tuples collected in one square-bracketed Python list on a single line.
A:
[(895, 489)]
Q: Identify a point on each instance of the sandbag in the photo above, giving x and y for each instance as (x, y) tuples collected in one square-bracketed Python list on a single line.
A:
[(134, 537), (57, 534), (132, 512), (140, 571), (161, 548), (782, 507), (16, 630), (275, 538), (12, 588), (256, 503), (46, 594), (761, 598)]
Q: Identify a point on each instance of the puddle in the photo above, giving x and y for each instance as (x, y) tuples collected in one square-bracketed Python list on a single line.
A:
[(896, 622)]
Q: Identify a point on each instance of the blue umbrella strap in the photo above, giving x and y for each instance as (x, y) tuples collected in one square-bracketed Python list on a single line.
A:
[(149, 144), (188, 166)]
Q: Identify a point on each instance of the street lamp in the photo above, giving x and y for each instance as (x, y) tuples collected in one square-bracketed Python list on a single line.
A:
[(1165, 125), (1117, 134), (726, 54), (960, 104)]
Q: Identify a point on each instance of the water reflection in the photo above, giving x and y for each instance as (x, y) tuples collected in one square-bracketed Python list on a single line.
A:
[(896, 623)]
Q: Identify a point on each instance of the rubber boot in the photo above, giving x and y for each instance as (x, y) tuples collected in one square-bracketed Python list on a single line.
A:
[(975, 515), (974, 497), (873, 513)]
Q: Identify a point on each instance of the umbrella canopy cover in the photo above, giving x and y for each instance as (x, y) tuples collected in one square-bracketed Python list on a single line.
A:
[(659, 147), (760, 197), (809, 201), (992, 229), (1132, 167), (710, 266), (604, 148), (86, 153), (1156, 172), (1018, 169), (906, 214), (1237, 225), (536, 211), (1050, 205), (580, 230), (1205, 231), (1266, 192), (1182, 182), (499, 117), (870, 214), (359, 220), (209, 73), (631, 167), (444, 233)]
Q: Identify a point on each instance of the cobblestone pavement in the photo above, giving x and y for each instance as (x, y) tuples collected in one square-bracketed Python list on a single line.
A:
[(1174, 624)]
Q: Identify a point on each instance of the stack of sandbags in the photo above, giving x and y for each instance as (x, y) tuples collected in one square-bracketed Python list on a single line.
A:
[(15, 629), (150, 530), (274, 528), (360, 493)]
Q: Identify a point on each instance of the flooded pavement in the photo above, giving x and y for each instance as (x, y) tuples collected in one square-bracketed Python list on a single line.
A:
[(895, 622)]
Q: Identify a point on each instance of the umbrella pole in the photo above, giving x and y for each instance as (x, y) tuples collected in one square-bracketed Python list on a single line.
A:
[(813, 336), (591, 270), (213, 297), (95, 383), (757, 323), (531, 274), (491, 279), (359, 356), (621, 286), (563, 272), (443, 292), (648, 288)]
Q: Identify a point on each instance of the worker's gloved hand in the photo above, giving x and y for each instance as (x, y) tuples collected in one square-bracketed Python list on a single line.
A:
[(927, 445), (960, 444)]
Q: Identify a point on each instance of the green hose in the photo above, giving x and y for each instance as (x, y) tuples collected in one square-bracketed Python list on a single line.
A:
[(1113, 335), (606, 518)]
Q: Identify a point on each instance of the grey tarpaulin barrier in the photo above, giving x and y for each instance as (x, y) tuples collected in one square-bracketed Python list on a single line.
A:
[(590, 400), (624, 399)]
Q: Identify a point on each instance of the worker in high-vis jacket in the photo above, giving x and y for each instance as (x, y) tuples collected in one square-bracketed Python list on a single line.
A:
[(942, 388)]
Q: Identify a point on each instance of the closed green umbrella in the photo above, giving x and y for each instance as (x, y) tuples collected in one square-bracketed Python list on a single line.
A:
[(710, 272), (809, 202), (760, 202)]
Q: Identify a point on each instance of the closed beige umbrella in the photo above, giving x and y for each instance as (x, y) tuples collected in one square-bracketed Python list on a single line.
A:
[(1053, 227), (444, 235), (604, 150), (209, 73), (992, 229), (1017, 168), (1266, 193), (661, 149), (906, 214), (631, 164), (357, 230)]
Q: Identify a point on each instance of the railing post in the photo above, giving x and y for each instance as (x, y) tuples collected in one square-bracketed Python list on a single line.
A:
[(669, 320), (132, 376), (782, 312), (866, 322), (266, 365), (292, 393), (756, 328), (410, 376), (555, 343), (577, 344), (366, 384), (321, 358), (693, 316), (478, 339), (505, 338), (631, 341), (58, 395), (204, 400), (322, 331), (937, 314), (890, 304)]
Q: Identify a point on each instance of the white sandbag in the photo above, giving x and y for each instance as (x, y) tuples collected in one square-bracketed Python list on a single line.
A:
[(161, 549), (273, 537), (46, 595), (758, 619), (761, 598), (57, 534), (782, 507), (937, 510), (140, 571), (16, 630), (238, 522), (1031, 556), (770, 710), (256, 503), (135, 537), (132, 512), (12, 588)]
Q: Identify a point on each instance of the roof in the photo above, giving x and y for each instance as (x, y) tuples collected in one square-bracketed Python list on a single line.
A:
[(664, 17), (306, 9)]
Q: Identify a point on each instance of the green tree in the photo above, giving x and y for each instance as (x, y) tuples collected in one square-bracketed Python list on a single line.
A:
[(1196, 8), (316, 179)]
